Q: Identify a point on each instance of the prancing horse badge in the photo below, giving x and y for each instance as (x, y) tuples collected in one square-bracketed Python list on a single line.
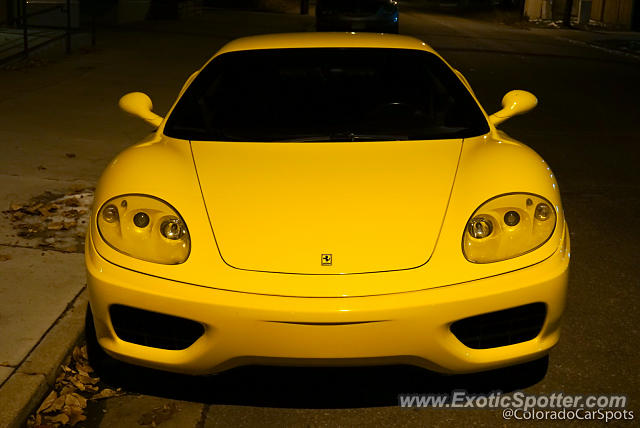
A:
[(326, 260)]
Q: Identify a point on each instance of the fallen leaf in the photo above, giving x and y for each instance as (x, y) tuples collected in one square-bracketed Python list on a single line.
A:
[(86, 379), (4, 257), (84, 369), (105, 393), (57, 405), (15, 207), (61, 418), (72, 213), (67, 389), (55, 226), (47, 210), (76, 353), (83, 353), (77, 384), (76, 416), (91, 388), (75, 400), (34, 421), (18, 215), (48, 401)]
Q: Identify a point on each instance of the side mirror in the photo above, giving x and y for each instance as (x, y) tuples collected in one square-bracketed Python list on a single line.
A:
[(139, 104), (514, 103)]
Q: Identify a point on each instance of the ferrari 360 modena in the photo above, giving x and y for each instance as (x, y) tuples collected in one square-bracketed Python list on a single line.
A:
[(327, 199)]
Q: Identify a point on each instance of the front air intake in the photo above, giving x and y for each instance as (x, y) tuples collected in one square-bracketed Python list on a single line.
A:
[(154, 329), (501, 328)]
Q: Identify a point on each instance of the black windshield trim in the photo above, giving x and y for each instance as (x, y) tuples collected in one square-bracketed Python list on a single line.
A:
[(184, 130)]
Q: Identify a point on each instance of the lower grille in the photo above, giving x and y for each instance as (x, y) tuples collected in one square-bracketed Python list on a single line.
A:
[(501, 328), (154, 329)]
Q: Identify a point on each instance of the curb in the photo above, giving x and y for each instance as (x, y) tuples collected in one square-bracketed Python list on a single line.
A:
[(594, 45), (27, 386)]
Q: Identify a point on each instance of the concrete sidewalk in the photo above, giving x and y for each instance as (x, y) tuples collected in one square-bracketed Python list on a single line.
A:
[(60, 126)]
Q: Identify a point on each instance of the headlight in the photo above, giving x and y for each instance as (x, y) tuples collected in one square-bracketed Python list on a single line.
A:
[(146, 228), (508, 226)]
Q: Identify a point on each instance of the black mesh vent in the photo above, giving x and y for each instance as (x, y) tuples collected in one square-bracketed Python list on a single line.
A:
[(501, 328), (153, 329)]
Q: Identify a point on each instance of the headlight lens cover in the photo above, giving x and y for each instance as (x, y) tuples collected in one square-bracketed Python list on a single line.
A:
[(508, 226), (146, 228)]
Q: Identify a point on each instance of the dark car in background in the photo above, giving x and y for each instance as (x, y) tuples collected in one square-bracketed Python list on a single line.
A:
[(380, 16)]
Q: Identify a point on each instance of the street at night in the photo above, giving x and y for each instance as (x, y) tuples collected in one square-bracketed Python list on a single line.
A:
[(60, 126)]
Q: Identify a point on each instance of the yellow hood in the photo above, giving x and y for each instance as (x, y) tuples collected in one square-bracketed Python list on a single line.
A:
[(373, 206)]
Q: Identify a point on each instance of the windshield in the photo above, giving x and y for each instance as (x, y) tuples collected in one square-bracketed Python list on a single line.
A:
[(326, 94)]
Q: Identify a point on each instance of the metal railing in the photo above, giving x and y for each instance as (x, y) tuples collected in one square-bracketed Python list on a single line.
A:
[(24, 20)]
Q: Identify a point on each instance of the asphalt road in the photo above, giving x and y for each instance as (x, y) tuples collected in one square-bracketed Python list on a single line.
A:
[(586, 127)]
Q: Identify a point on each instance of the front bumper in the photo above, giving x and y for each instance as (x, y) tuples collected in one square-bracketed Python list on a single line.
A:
[(403, 328)]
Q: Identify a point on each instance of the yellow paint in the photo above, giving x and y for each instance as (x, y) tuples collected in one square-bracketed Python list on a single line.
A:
[(514, 103), (413, 327), (486, 169), (372, 205), (140, 105)]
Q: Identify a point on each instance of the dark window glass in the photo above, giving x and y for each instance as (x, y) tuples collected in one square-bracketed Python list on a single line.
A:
[(352, 5), (321, 94)]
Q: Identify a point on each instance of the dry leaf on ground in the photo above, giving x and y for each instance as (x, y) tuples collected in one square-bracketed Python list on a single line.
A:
[(65, 405), (48, 401)]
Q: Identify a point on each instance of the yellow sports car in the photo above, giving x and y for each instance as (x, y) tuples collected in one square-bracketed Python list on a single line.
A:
[(327, 199)]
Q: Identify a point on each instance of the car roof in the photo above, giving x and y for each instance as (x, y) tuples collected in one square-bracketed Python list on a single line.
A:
[(325, 40)]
